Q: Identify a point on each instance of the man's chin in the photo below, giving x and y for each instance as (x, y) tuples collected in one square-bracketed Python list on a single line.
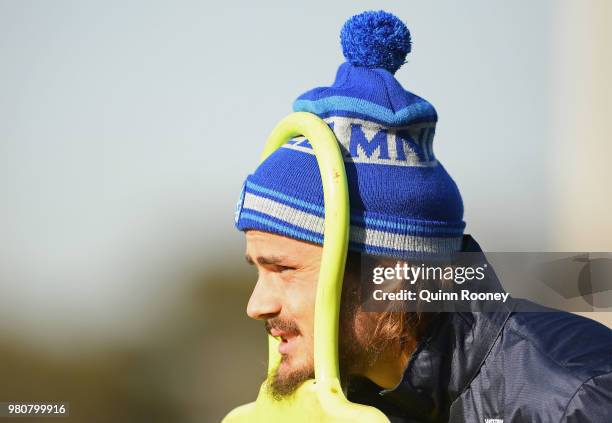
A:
[(287, 378)]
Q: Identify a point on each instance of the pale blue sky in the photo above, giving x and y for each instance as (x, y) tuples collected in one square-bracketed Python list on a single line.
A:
[(128, 127)]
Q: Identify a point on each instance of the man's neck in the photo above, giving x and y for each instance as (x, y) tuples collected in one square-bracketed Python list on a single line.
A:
[(388, 370)]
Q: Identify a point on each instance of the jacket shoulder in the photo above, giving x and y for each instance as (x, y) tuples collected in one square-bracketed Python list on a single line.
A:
[(564, 362), (579, 346), (543, 366)]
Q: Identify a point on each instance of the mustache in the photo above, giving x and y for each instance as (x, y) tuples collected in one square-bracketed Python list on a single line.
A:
[(282, 325)]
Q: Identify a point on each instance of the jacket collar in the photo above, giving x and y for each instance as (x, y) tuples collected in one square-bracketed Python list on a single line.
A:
[(444, 363)]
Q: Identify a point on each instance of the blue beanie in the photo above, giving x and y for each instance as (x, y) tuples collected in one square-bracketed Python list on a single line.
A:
[(403, 202)]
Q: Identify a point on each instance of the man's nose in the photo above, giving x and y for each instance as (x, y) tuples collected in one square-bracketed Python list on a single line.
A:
[(264, 302)]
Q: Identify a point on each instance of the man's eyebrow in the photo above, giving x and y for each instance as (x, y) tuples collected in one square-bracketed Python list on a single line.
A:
[(265, 260)]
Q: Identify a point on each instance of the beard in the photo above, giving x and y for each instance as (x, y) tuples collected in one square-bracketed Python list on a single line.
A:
[(355, 353), (283, 382)]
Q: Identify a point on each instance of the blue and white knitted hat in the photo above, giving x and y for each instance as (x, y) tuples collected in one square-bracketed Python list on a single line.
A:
[(403, 202)]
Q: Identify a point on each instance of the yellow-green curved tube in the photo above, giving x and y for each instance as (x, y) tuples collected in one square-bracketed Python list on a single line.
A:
[(321, 399), (336, 200)]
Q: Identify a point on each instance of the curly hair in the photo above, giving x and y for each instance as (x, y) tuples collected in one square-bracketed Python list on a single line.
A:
[(396, 329)]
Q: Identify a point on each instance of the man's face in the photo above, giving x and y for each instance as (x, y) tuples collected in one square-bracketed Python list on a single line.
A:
[(284, 297)]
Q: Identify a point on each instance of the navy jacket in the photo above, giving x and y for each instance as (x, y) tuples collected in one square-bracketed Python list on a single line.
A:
[(517, 367)]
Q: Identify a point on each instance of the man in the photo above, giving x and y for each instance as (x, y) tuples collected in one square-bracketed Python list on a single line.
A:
[(502, 366)]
